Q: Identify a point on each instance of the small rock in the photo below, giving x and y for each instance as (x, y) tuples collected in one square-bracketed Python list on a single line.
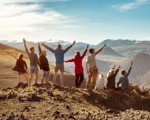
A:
[(11, 116)]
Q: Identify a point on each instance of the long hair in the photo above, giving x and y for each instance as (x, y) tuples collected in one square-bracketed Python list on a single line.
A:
[(20, 56), (110, 73)]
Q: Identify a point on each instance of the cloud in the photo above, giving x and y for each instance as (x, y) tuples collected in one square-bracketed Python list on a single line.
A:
[(129, 6), (15, 18)]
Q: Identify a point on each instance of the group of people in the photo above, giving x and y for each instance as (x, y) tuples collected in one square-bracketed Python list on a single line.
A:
[(91, 68)]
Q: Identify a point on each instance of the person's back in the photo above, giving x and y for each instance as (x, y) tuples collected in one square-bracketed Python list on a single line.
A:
[(91, 60), (124, 81), (33, 59), (21, 64), (59, 55), (78, 64), (100, 82), (44, 65), (111, 79)]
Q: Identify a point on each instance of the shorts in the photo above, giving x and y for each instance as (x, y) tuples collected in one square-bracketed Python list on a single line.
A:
[(34, 69), (20, 73), (59, 67), (46, 74)]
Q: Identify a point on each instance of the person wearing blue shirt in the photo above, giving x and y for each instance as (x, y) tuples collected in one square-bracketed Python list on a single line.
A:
[(59, 55)]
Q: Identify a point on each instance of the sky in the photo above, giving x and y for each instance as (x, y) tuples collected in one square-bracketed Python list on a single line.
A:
[(89, 21)]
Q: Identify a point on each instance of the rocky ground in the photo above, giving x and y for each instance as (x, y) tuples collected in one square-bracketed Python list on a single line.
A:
[(44, 102)]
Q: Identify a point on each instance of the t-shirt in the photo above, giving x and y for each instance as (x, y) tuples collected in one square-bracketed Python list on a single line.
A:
[(33, 58), (59, 53), (91, 60)]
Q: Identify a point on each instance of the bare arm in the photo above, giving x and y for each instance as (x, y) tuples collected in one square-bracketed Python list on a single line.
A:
[(87, 68), (98, 51), (49, 48), (129, 70), (39, 47), (118, 83), (25, 46), (85, 51), (69, 47), (25, 65)]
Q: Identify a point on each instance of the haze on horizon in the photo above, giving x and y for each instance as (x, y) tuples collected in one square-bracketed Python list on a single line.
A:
[(80, 20)]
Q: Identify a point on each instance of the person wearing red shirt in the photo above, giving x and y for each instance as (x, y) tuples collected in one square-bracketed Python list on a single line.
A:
[(79, 76)]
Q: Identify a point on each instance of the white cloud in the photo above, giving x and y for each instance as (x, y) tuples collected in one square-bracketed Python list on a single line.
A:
[(129, 6), (15, 18)]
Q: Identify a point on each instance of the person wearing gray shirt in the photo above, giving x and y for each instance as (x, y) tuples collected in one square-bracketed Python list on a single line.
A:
[(34, 62), (124, 81)]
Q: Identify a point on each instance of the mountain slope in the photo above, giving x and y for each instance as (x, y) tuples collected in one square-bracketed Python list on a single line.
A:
[(47, 102)]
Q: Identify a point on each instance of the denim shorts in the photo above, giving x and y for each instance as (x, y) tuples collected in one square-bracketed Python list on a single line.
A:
[(46, 74)]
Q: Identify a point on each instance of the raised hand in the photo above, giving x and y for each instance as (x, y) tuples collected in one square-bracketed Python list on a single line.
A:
[(87, 46), (73, 42), (38, 44), (24, 40), (43, 44), (131, 63)]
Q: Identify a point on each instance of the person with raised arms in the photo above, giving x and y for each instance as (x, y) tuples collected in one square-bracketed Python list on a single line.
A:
[(44, 65), (79, 75), (91, 68), (34, 62), (59, 55)]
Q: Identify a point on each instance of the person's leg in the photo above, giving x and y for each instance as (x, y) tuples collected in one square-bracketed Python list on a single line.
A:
[(54, 78), (61, 68), (36, 74), (31, 75), (88, 84), (43, 76), (95, 75), (26, 77), (138, 89), (81, 79), (47, 77), (76, 80), (19, 75), (30, 79), (62, 78)]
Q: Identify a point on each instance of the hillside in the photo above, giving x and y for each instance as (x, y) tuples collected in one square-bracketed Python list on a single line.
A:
[(63, 103), (8, 78)]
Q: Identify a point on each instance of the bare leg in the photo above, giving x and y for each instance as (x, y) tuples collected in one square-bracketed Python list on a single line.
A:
[(88, 84), (54, 78), (47, 78), (18, 78), (42, 80), (30, 80), (36, 78), (62, 79), (26, 77)]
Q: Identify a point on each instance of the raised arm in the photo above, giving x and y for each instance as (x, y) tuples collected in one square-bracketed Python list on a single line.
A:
[(69, 46), (25, 46), (87, 68), (49, 48), (129, 70), (118, 83), (25, 65), (117, 70), (85, 51), (39, 47), (98, 51), (70, 60)]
